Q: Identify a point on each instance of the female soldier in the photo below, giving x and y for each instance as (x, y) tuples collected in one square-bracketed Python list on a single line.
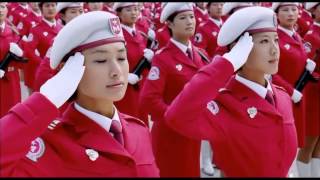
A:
[(293, 62), (67, 12), (311, 151), (39, 40), (172, 67), (245, 116), (137, 51), (93, 138)]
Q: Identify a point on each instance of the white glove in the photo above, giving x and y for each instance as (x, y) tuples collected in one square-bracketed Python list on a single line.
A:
[(133, 79), (148, 54), (296, 96), (310, 66), (15, 49), (60, 87), (151, 34), (238, 55), (2, 72)]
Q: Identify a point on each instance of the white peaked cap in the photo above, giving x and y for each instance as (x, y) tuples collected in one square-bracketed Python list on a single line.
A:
[(261, 19), (123, 4), (86, 31), (310, 5), (275, 6), (228, 7), (174, 7), (62, 5)]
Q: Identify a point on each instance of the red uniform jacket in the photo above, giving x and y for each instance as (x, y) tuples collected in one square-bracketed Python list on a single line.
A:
[(40, 39), (59, 150), (206, 37), (9, 84), (200, 15), (312, 96), (18, 13), (211, 107), (291, 65), (30, 21), (129, 104), (176, 155), (304, 22), (163, 36), (143, 24)]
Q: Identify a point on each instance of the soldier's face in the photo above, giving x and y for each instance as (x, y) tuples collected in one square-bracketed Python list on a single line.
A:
[(34, 6), (49, 10), (129, 15), (215, 10), (264, 56), (288, 16), (106, 75), (183, 24), (316, 13), (71, 13), (3, 12), (95, 6)]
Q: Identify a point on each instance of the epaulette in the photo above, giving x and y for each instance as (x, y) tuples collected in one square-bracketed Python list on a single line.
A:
[(133, 119), (280, 87)]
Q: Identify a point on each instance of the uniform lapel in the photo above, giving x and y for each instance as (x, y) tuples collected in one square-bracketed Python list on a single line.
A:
[(129, 136), (251, 99), (91, 135), (180, 56)]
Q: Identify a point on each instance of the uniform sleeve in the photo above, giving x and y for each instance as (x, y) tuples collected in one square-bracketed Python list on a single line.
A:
[(31, 47), (44, 72), (310, 39), (153, 89), (24, 122), (187, 113)]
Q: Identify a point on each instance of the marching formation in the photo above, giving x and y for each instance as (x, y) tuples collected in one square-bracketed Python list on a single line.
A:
[(154, 89)]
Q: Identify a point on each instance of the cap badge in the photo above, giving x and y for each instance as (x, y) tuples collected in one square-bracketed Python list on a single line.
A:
[(36, 149), (115, 26), (252, 111), (92, 154)]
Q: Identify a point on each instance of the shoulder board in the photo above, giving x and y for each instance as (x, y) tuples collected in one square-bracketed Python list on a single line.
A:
[(280, 88), (160, 50), (132, 119)]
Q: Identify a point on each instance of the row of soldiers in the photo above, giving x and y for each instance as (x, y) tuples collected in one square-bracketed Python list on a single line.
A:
[(28, 30)]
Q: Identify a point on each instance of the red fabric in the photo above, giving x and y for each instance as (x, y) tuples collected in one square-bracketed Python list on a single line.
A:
[(163, 36), (9, 84), (200, 16), (176, 155), (64, 154), (304, 22), (262, 146), (206, 37), (291, 65), (312, 96), (43, 36), (129, 104)]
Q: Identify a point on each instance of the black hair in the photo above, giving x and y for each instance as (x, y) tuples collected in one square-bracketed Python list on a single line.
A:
[(41, 4)]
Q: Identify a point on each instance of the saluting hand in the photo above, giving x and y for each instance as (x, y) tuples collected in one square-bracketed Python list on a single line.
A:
[(60, 87), (238, 55)]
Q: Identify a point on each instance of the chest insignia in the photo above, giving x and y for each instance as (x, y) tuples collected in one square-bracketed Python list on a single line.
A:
[(45, 33), (92, 154), (214, 33), (252, 111), (36, 149), (287, 46), (213, 107), (154, 73), (179, 67)]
